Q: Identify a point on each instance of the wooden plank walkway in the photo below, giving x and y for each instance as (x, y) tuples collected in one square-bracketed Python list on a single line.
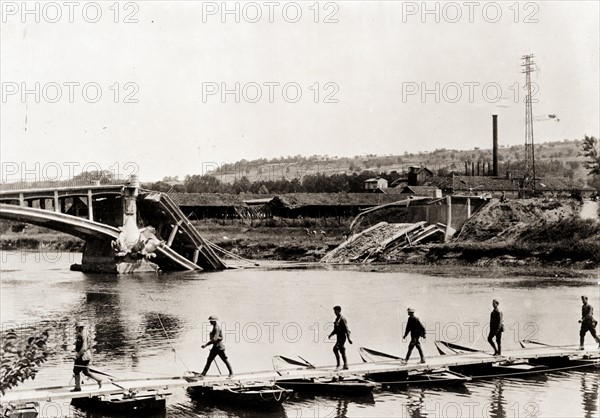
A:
[(124, 386)]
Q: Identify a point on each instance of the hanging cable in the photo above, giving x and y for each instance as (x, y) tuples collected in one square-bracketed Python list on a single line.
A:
[(169, 340)]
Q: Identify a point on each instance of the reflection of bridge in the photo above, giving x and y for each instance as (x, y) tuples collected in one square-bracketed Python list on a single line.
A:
[(94, 212)]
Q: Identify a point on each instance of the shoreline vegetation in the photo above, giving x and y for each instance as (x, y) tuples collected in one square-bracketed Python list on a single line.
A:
[(539, 237)]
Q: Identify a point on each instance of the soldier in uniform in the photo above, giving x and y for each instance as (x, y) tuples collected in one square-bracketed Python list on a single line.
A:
[(588, 323), (83, 356), (341, 331), (416, 330), (496, 328), (218, 348)]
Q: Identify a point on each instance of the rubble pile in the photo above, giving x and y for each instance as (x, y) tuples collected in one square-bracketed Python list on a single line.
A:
[(373, 243)]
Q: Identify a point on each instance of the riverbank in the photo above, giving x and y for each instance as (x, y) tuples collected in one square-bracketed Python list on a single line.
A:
[(278, 239), (272, 239), (544, 235), (536, 234), (35, 238)]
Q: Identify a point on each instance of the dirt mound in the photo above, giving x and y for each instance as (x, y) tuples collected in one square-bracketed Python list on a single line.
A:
[(509, 220)]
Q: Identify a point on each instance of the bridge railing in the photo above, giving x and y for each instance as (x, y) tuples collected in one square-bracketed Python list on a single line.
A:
[(26, 185)]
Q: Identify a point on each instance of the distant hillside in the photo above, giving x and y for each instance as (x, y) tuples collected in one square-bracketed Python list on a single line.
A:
[(560, 158)]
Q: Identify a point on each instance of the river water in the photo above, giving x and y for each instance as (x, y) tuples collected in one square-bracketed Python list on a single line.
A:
[(153, 325)]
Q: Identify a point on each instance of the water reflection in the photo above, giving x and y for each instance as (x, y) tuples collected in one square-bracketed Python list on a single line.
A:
[(310, 405), (78, 413), (590, 385), (205, 407), (364, 400), (120, 329), (110, 333), (497, 401), (459, 388), (415, 406), (157, 326), (341, 408)]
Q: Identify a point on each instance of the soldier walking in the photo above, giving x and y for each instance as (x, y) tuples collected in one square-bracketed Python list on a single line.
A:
[(588, 323), (218, 348), (341, 331), (416, 330), (496, 328)]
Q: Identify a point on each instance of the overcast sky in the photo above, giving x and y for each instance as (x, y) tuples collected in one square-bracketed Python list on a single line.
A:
[(154, 83)]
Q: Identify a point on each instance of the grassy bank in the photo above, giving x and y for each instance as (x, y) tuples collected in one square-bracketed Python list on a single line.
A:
[(277, 239), (15, 236), (269, 239), (526, 232), (537, 234)]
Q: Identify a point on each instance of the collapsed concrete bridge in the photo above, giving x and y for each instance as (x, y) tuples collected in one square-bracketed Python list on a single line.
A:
[(113, 219), (392, 227)]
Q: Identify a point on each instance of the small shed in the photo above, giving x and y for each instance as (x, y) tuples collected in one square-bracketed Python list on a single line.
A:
[(376, 183), (417, 176)]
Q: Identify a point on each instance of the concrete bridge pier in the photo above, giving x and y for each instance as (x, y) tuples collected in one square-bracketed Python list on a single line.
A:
[(98, 257), (100, 254)]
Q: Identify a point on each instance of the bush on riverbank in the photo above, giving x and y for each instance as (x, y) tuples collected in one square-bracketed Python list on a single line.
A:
[(21, 357), (19, 236), (562, 252), (547, 239)]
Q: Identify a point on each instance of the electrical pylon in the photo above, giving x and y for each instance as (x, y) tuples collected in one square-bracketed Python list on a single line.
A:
[(529, 172)]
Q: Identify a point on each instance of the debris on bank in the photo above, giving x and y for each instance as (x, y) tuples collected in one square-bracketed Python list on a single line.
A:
[(501, 221), (373, 243)]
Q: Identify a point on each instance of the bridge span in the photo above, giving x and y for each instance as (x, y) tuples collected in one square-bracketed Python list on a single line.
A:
[(98, 214)]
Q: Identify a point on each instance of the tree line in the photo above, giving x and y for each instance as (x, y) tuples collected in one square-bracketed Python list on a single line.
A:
[(354, 182), (310, 183)]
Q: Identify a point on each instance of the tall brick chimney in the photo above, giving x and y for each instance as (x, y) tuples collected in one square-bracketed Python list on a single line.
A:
[(495, 144)]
